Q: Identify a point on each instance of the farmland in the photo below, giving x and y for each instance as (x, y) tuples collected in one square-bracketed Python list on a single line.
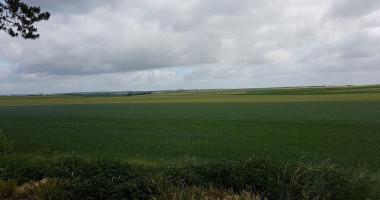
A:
[(203, 126), (339, 124)]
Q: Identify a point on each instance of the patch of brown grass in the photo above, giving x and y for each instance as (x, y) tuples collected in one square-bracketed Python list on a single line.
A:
[(47, 188)]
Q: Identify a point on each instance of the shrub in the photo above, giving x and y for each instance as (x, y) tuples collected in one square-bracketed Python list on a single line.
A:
[(276, 181), (78, 178)]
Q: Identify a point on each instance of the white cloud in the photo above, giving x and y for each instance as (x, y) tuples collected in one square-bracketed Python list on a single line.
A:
[(125, 45)]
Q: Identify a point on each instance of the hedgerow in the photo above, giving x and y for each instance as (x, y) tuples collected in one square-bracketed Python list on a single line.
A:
[(81, 178)]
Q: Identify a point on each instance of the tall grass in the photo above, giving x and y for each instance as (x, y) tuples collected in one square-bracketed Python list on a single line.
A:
[(251, 178)]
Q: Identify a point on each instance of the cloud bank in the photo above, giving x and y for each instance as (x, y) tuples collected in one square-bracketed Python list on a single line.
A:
[(156, 44)]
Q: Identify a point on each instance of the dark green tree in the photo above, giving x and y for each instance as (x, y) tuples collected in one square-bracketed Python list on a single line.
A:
[(17, 19)]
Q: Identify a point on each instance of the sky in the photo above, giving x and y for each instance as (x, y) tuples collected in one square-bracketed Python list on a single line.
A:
[(124, 45)]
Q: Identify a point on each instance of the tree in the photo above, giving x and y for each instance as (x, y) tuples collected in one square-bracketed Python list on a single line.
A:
[(17, 19)]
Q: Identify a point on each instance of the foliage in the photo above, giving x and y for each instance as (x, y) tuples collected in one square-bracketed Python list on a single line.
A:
[(278, 181), (18, 18), (202, 193), (7, 188), (97, 179), (78, 178), (6, 146), (48, 188)]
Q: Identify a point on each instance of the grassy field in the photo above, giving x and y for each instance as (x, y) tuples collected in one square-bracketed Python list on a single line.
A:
[(284, 124)]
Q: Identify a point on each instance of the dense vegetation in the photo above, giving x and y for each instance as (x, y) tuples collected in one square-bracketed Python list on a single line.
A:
[(77, 178), (193, 145)]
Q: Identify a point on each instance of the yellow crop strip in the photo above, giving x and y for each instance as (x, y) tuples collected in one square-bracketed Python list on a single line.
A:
[(185, 98)]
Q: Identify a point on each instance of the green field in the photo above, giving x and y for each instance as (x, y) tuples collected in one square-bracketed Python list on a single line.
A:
[(341, 124), (276, 143)]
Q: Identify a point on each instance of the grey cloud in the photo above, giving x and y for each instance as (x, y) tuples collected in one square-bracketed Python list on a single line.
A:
[(214, 40), (352, 8), (87, 45), (358, 50), (357, 44), (71, 6)]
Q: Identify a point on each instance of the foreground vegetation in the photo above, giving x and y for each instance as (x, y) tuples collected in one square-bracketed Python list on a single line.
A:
[(236, 144), (253, 178)]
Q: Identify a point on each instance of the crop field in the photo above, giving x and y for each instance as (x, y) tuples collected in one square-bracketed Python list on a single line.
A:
[(275, 143), (285, 124)]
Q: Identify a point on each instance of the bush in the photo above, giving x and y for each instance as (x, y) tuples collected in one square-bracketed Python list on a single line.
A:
[(78, 178), (276, 181)]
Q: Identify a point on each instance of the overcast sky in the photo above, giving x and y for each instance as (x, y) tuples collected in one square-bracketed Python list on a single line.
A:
[(97, 45)]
